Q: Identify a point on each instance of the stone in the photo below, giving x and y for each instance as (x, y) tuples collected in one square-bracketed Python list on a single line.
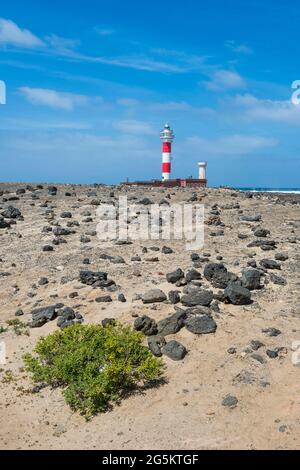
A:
[(175, 276), (42, 315), (217, 275), (153, 295), (200, 324), (117, 260), (261, 232), (155, 344), (269, 264), (90, 278), (166, 250), (103, 298), (250, 217), (230, 401), (174, 296), (85, 239), (146, 325), (62, 231), (197, 297), (231, 350), (171, 324), (145, 201), (271, 331), (4, 223), (11, 213), (263, 244), (272, 353), (251, 279), (52, 190), (66, 215), (107, 321), (19, 313), (281, 256), (258, 358), (237, 295), (174, 350), (279, 280), (47, 248), (192, 274), (43, 281), (255, 345), (121, 298)]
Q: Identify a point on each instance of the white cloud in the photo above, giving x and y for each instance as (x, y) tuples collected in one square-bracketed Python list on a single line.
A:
[(128, 102), (134, 127), (52, 98), (268, 110), (231, 145), (11, 34), (61, 44), (104, 31), (238, 48), (223, 80)]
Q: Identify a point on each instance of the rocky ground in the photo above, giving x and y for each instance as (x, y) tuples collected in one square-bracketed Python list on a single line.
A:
[(223, 318)]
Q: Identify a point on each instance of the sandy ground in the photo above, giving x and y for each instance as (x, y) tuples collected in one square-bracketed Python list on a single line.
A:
[(186, 412)]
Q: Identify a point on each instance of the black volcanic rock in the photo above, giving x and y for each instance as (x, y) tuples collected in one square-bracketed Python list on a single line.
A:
[(237, 295), (251, 279), (218, 276), (200, 324), (175, 276), (197, 297)]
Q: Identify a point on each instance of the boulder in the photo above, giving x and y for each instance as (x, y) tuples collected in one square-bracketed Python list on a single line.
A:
[(4, 223), (90, 278), (42, 315), (146, 325), (155, 344), (192, 275), (11, 213), (251, 279), (200, 324), (269, 264), (174, 296), (237, 295), (174, 350), (281, 256), (153, 295), (217, 275), (171, 324), (197, 297), (250, 217), (175, 276), (261, 232)]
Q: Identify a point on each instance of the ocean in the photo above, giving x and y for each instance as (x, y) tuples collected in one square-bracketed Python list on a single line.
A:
[(272, 190)]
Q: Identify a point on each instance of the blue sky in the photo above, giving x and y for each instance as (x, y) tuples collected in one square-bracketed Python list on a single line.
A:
[(89, 88)]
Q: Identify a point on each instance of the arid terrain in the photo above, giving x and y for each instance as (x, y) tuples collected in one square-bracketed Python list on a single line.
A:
[(236, 387)]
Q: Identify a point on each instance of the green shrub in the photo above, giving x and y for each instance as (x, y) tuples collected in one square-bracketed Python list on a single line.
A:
[(96, 366)]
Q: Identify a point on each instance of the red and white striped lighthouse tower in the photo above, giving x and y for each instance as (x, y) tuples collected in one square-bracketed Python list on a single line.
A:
[(167, 138)]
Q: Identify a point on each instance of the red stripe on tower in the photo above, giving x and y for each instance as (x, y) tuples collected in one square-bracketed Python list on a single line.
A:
[(166, 147), (166, 167)]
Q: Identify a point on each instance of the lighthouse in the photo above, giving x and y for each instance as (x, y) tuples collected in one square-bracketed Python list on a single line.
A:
[(167, 137)]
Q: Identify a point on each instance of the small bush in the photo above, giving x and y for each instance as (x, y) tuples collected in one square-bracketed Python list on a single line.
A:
[(19, 327), (95, 365)]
